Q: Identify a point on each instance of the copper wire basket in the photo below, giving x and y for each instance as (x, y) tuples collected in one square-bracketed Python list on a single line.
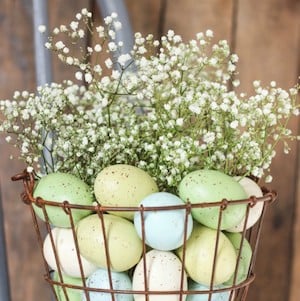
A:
[(235, 291)]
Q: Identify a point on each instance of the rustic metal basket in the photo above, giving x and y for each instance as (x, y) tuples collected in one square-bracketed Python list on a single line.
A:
[(237, 291)]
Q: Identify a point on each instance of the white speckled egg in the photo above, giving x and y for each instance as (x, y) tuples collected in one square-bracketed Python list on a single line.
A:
[(163, 274), (60, 187), (252, 189), (216, 296), (199, 256), (73, 294), (205, 186), (123, 185), (66, 251), (100, 279), (164, 229), (124, 245)]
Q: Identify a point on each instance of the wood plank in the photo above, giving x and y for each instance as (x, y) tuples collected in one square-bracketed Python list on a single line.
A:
[(191, 16), (17, 73), (267, 35), (295, 289), (144, 16)]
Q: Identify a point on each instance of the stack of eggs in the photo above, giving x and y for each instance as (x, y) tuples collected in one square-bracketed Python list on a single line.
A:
[(135, 245)]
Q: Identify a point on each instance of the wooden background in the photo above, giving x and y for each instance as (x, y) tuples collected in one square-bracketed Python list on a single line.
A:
[(265, 35)]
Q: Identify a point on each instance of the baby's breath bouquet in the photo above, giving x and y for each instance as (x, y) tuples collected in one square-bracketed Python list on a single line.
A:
[(167, 107)]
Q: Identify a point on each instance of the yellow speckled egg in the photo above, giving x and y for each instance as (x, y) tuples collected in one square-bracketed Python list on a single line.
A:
[(123, 185), (123, 244), (199, 256)]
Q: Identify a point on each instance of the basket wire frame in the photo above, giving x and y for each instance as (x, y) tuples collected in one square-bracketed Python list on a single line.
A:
[(237, 291)]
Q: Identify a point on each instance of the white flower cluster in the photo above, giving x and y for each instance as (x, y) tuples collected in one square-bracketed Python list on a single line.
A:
[(170, 114)]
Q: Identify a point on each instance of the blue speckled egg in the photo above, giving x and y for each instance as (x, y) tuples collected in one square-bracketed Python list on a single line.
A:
[(206, 186), (100, 280), (164, 229), (216, 296)]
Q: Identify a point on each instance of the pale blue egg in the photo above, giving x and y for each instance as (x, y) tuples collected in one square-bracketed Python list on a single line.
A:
[(216, 296), (100, 279), (164, 229)]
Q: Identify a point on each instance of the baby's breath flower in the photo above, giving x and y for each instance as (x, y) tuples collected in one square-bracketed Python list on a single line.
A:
[(173, 114), (78, 75), (42, 28)]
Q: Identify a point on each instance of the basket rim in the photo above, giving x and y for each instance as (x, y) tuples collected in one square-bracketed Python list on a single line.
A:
[(269, 196), (214, 290)]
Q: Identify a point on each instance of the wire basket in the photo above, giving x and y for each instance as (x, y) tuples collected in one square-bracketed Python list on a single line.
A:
[(65, 290)]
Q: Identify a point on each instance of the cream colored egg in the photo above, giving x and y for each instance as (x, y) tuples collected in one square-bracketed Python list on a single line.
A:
[(123, 185), (252, 189), (66, 251), (163, 272), (199, 256)]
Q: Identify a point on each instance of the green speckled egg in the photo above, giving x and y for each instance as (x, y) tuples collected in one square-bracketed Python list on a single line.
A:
[(124, 245), (72, 293), (60, 187), (244, 259), (205, 186), (123, 185)]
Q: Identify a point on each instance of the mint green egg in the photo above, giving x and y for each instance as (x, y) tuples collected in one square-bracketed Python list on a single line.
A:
[(71, 294), (205, 186), (244, 258), (60, 187)]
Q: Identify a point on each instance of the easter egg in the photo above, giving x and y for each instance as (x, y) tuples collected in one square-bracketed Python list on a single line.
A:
[(65, 248), (100, 279), (215, 296), (124, 245), (244, 258), (199, 256), (71, 294), (123, 185), (252, 189), (206, 186), (164, 229), (163, 272), (60, 187)]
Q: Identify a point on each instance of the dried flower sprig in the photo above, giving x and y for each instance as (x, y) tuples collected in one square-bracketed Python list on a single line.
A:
[(165, 107)]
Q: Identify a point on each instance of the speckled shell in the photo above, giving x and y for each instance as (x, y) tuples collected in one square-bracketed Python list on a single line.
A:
[(163, 274), (73, 294), (204, 185), (60, 187), (194, 286), (199, 256), (124, 245), (245, 257), (251, 189), (100, 279), (123, 185), (66, 251), (164, 229)]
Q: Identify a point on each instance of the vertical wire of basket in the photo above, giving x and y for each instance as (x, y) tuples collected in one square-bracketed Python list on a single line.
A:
[(237, 291)]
